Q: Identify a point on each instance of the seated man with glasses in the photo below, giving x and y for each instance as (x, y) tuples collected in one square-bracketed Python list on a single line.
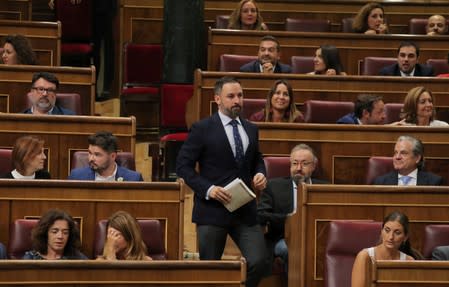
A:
[(278, 199), (43, 96)]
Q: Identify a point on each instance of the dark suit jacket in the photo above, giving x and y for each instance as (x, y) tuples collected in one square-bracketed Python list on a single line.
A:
[(3, 252), (348, 119), (424, 178), (440, 253), (254, 67), (208, 146), (40, 174), (57, 110), (86, 173), (420, 71)]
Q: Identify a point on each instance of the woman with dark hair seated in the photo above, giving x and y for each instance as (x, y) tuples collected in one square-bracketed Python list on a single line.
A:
[(56, 236), (17, 51), (327, 61), (28, 159), (280, 105)]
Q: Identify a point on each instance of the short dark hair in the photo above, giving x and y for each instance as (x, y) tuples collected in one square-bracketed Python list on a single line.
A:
[(105, 140), (408, 44), (365, 102), (47, 76), (221, 82), (272, 39)]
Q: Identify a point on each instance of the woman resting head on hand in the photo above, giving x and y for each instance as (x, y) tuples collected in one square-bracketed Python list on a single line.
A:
[(370, 20), (124, 239), (327, 61)]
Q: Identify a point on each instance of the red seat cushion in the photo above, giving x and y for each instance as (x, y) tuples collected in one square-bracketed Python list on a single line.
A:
[(140, 90), (174, 137), (174, 98), (76, 48)]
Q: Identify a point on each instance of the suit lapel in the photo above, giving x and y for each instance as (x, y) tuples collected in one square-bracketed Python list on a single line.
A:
[(221, 136)]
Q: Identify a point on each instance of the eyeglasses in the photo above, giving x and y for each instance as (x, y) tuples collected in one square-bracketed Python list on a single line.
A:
[(41, 90), (302, 163)]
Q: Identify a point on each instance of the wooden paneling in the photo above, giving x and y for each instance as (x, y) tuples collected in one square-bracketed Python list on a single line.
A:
[(306, 231), (16, 10), (65, 134), (92, 201), (45, 38), (15, 84), (352, 47)]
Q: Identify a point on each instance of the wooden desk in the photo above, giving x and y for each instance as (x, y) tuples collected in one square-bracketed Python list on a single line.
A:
[(15, 84), (308, 87), (352, 47), (45, 38), (16, 10), (64, 135), (90, 201), (408, 273), (306, 231), (123, 273)]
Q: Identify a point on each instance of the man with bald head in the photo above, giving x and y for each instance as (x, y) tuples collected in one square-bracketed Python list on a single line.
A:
[(436, 25)]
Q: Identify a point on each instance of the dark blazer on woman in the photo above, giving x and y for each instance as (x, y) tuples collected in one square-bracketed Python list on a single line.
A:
[(40, 174)]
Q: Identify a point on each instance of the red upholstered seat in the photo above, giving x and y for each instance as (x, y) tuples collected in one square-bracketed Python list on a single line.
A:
[(346, 25), (170, 145), (222, 21), (302, 64), (5, 161), (152, 235), (81, 159), (326, 111), (345, 240), (393, 112), (307, 25), (174, 98), (440, 66), (277, 166), (371, 66), (418, 26), (377, 166), (251, 106), (232, 63), (434, 235), (20, 237)]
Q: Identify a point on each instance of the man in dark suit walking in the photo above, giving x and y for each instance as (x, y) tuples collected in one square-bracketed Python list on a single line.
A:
[(279, 199), (407, 65), (268, 58), (225, 147), (408, 162)]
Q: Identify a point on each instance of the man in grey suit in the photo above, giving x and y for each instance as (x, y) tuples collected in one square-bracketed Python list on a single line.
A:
[(278, 199), (408, 162), (219, 149)]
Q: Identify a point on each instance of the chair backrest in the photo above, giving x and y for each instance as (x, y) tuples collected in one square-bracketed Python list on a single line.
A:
[(345, 240), (326, 111), (251, 106), (232, 63), (222, 21), (418, 26), (434, 235), (377, 166), (152, 235), (5, 161), (302, 64), (393, 112), (370, 66), (123, 159), (143, 64), (71, 101), (76, 20), (20, 237), (174, 98), (440, 66), (346, 25), (277, 166), (307, 25)]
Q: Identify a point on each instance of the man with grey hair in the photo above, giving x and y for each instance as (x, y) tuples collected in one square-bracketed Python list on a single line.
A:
[(278, 199), (408, 162)]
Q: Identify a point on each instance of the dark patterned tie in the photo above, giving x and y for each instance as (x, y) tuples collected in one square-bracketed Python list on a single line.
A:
[(239, 154)]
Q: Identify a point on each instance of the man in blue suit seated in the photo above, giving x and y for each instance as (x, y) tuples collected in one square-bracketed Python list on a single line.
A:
[(368, 110), (408, 162), (407, 65), (102, 166), (268, 61), (43, 96)]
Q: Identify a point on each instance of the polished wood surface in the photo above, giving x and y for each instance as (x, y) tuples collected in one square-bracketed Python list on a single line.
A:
[(64, 135), (123, 273), (89, 202), (16, 9), (15, 84), (408, 273), (307, 229), (308, 87), (352, 47), (44, 37)]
